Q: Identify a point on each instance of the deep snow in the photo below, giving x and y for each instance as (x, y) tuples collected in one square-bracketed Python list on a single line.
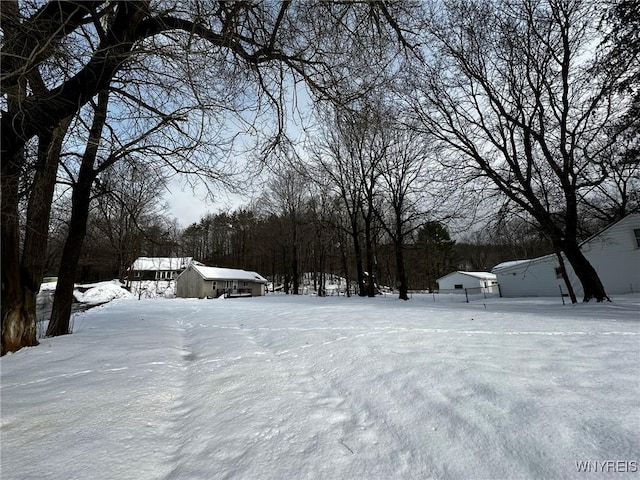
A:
[(284, 387)]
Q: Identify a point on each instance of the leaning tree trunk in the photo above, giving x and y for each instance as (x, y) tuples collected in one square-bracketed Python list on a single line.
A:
[(585, 272), (63, 300), (80, 202)]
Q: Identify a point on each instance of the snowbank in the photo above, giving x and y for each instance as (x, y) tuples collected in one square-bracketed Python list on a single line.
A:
[(101, 292), (284, 387)]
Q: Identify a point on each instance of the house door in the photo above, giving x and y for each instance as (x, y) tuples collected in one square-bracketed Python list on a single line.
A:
[(235, 286)]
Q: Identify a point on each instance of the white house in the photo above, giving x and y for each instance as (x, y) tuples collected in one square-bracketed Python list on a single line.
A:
[(473, 282), (198, 281), (158, 268), (613, 252)]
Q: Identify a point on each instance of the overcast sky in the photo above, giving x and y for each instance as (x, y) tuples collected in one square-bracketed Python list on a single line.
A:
[(188, 205)]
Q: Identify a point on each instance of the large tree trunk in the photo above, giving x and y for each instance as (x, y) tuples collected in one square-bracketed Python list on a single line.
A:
[(18, 328), (345, 268), (357, 250), (63, 300), (80, 202), (294, 270), (585, 272), (402, 274), (294, 261), (400, 266), (368, 235), (22, 287)]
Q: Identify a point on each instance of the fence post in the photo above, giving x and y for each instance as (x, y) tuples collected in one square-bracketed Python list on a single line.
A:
[(466, 294)]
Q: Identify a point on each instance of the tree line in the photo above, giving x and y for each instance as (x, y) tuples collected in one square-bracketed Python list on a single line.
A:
[(256, 239), (420, 113)]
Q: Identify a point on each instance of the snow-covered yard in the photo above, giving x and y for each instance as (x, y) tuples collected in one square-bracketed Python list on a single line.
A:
[(284, 387)]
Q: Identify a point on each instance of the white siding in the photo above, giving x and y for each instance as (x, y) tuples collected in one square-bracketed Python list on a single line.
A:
[(616, 257), (466, 280), (614, 253), (534, 278)]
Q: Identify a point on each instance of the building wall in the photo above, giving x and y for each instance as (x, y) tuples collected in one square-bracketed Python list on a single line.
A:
[(535, 278), (191, 285), (614, 254), (257, 289), (467, 281)]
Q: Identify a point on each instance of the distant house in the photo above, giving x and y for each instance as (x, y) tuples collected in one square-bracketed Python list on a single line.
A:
[(158, 268), (198, 281), (614, 253), (474, 282)]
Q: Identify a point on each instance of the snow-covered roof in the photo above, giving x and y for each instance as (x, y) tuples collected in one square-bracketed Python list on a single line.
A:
[(161, 263), (482, 275), (219, 273), (479, 275), (507, 265)]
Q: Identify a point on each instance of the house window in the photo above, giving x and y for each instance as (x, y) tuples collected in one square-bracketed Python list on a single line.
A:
[(213, 285), (558, 272), (244, 284), (636, 232), (458, 286)]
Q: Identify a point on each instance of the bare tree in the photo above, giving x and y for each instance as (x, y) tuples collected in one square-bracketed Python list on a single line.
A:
[(508, 90), (406, 189), (58, 56), (346, 156), (127, 197), (287, 197)]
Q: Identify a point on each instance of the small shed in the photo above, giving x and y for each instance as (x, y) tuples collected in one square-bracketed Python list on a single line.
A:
[(198, 281), (158, 268), (473, 282)]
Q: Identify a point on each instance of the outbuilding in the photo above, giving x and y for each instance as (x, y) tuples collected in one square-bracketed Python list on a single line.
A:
[(198, 281), (614, 253), (473, 282)]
